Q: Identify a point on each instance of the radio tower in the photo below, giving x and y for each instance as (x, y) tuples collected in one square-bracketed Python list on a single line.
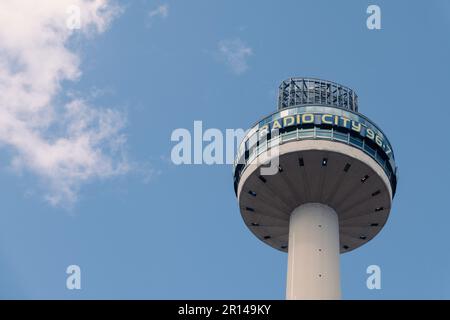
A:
[(332, 187)]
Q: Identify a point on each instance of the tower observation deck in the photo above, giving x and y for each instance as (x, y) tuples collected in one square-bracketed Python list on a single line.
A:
[(332, 189)]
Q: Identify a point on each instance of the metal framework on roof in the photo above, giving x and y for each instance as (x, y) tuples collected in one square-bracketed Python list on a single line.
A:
[(309, 91)]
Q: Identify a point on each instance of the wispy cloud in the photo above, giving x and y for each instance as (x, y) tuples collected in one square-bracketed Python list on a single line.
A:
[(161, 11), (235, 53), (63, 139)]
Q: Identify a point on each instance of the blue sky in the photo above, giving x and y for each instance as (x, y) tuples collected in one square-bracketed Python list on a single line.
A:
[(139, 226)]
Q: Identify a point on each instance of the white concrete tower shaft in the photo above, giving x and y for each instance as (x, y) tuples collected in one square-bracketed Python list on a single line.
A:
[(313, 253)]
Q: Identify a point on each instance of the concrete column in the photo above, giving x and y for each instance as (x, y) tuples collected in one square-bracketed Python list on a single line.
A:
[(313, 253)]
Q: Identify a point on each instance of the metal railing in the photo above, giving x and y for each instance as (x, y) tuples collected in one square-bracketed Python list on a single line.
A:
[(315, 133)]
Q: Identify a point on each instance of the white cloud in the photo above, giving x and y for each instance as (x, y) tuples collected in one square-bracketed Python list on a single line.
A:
[(61, 138), (235, 53), (161, 11)]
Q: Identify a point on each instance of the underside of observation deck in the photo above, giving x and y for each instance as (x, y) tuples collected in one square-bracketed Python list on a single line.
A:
[(337, 175)]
